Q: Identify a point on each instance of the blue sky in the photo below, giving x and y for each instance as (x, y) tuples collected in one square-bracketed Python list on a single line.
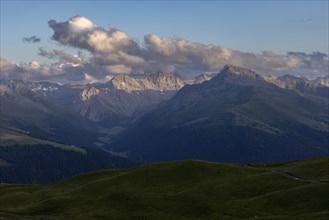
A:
[(250, 26), (243, 26)]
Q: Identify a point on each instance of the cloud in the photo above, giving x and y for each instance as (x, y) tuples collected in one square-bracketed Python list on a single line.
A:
[(315, 61), (26, 71), (5, 64), (118, 69), (80, 32), (32, 39), (59, 55), (89, 78), (187, 56), (35, 71), (113, 51)]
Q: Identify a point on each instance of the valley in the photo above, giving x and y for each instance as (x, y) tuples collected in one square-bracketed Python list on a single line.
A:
[(235, 116)]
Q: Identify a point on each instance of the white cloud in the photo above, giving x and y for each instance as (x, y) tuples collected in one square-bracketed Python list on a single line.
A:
[(315, 61), (34, 65), (114, 52), (5, 64), (60, 55), (118, 69), (79, 23), (89, 78), (82, 33), (202, 57)]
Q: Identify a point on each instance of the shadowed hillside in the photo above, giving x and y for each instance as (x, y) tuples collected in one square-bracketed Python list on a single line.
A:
[(45, 163), (176, 190)]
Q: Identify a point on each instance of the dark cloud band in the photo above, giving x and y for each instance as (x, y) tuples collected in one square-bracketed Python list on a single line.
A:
[(33, 39)]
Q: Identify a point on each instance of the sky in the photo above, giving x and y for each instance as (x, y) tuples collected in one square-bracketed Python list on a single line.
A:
[(181, 36)]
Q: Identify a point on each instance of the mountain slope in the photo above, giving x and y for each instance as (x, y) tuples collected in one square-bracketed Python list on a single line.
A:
[(115, 102), (175, 190), (324, 80), (45, 163), (317, 87), (237, 116), (22, 111), (124, 98)]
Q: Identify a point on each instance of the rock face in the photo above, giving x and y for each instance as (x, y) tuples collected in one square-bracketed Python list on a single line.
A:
[(119, 100), (156, 81), (16, 88), (201, 78), (166, 81), (237, 116), (240, 75), (304, 86), (275, 81), (301, 85), (24, 112), (88, 93), (124, 97), (322, 80), (129, 84)]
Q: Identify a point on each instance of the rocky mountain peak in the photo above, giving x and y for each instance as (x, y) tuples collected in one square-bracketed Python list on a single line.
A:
[(16, 88), (290, 81), (166, 81), (239, 75), (275, 81), (156, 81), (129, 84), (87, 93), (292, 78), (201, 78), (238, 70), (324, 80)]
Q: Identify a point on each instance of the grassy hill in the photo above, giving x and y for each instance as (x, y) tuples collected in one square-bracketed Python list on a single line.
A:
[(310, 169), (176, 190)]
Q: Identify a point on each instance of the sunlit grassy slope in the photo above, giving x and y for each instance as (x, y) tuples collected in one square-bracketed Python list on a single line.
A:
[(11, 137), (174, 190)]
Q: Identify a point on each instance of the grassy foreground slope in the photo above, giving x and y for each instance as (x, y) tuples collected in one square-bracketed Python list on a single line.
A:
[(174, 190), (309, 169)]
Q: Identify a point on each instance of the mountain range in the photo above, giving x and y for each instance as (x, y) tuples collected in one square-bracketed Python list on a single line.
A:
[(120, 98), (235, 115), (80, 114)]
